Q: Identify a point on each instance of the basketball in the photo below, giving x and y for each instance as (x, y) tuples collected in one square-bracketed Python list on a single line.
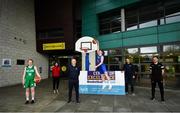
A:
[(94, 41), (37, 79)]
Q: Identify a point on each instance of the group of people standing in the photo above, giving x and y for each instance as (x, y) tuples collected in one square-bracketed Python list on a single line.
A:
[(30, 71), (156, 76)]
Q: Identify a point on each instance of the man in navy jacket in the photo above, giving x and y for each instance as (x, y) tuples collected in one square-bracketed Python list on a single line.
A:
[(73, 73), (129, 76)]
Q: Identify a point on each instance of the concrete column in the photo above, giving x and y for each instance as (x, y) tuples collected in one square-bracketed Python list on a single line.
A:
[(122, 20)]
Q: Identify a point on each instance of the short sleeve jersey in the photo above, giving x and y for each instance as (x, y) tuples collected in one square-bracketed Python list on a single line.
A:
[(156, 70)]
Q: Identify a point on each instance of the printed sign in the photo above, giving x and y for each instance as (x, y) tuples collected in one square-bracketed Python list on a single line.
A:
[(6, 62), (54, 46), (90, 82)]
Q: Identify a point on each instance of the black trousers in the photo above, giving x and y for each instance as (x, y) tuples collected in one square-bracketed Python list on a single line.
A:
[(55, 82), (160, 84), (75, 84), (131, 83)]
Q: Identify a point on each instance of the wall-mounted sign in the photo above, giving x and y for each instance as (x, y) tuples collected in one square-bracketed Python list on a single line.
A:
[(6, 62), (64, 68), (54, 46)]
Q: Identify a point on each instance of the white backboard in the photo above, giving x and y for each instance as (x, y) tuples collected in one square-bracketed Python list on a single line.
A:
[(88, 43)]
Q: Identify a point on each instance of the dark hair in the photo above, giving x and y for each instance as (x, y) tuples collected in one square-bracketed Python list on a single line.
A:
[(74, 58), (101, 51), (55, 63), (155, 57)]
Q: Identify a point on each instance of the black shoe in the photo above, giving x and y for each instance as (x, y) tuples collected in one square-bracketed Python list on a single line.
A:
[(162, 100), (27, 102), (32, 102), (69, 101), (77, 102), (152, 98)]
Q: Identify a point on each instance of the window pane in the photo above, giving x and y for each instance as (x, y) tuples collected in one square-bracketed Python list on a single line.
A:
[(173, 18), (148, 24), (177, 48), (115, 59), (145, 68), (115, 52), (110, 21), (148, 49), (133, 58), (114, 67), (131, 50), (171, 57), (131, 18), (168, 48), (172, 11), (147, 58)]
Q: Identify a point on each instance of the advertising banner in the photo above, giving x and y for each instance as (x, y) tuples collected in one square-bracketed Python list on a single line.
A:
[(90, 82)]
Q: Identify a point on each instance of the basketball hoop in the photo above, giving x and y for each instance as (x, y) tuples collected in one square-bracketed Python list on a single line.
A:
[(84, 49)]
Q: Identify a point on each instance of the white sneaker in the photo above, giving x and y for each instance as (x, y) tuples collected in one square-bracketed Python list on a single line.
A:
[(57, 91), (133, 94), (103, 87), (54, 91), (110, 86)]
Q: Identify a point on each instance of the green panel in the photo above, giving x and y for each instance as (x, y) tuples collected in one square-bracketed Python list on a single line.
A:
[(169, 37), (90, 20), (140, 32), (111, 44), (105, 5), (115, 36), (142, 40), (88, 4), (169, 27), (88, 13)]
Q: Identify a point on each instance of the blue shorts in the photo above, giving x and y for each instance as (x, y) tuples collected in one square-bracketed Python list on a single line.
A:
[(102, 69)]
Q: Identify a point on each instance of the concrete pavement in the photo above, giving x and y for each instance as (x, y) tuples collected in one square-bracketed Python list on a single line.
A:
[(12, 99)]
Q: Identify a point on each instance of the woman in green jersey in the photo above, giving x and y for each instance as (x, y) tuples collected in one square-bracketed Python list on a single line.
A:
[(28, 82)]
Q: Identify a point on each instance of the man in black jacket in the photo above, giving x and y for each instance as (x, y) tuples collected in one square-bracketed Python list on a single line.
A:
[(73, 73), (157, 72), (129, 76)]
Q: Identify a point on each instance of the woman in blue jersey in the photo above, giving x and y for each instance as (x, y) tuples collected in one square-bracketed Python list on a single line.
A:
[(101, 67)]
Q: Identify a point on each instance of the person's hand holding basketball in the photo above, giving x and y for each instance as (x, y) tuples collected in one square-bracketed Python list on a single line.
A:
[(37, 79)]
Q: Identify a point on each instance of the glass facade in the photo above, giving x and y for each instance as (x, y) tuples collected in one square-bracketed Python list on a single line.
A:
[(169, 56), (141, 15)]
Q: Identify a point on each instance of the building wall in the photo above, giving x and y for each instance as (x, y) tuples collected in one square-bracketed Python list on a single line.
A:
[(152, 35), (17, 40), (52, 15)]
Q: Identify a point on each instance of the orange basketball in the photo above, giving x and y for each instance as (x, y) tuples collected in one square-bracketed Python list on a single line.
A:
[(94, 41), (37, 79)]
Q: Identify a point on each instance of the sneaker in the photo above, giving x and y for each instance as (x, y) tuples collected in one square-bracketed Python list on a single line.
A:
[(110, 87), (68, 101), (77, 102), (27, 102), (133, 94), (57, 91), (162, 100), (127, 93), (152, 99), (54, 91), (103, 87), (32, 102)]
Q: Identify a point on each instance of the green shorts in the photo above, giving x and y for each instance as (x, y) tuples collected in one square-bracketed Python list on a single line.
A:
[(29, 83)]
